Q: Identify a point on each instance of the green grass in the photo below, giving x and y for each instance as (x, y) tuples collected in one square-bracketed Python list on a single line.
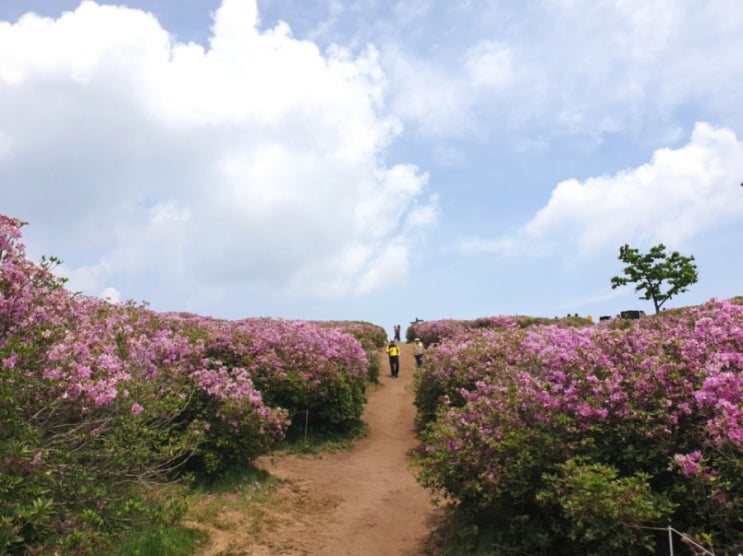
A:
[(231, 481), (316, 440), (170, 540)]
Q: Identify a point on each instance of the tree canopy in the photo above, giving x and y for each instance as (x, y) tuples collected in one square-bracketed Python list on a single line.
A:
[(656, 274)]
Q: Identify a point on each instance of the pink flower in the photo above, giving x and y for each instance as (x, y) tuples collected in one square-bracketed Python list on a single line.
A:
[(9, 362), (689, 463), (137, 409)]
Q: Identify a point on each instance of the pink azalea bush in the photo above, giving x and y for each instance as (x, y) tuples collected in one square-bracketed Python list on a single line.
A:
[(522, 426), (96, 398), (296, 365), (370, 336), (436, 331)]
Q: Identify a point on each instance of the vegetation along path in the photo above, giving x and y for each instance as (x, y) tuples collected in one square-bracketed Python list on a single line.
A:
[(363, 502)]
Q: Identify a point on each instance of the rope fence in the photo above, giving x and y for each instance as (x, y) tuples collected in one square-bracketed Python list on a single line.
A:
[(306, 413), (671, 531), (685, 537)]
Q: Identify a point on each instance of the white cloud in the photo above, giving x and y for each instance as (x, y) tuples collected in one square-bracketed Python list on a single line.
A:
[(111, 294), (489, 64), (428, 94), (88, 278), (575, 68), (425, 215), (390, 266), (411, 10), (678, 195), (254, 161), (448, 97)]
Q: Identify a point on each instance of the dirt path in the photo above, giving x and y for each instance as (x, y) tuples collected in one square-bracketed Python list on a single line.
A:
[(365, 502)]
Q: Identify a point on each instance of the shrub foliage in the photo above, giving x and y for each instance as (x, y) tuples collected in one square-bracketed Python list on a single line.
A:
[(565, 440), (98, 399)]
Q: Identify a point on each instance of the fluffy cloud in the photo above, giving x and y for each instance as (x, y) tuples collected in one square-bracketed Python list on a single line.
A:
[(258, 160), (489, 65), (678, 195)]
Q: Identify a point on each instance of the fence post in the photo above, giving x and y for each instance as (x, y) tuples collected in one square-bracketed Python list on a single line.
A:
[(670, 541), (306, 422)]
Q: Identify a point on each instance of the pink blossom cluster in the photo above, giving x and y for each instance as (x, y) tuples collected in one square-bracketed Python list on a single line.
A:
[(281, 346), (304, 367), (90, 356), (95, 396), (687, 362), (436, 331), (658, 395), (295, 364), (370, 336)]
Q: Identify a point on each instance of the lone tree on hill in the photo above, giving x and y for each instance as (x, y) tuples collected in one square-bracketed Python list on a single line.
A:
[(649, 271)]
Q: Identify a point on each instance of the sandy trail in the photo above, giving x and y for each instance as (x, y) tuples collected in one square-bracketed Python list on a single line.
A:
[(364, 502)]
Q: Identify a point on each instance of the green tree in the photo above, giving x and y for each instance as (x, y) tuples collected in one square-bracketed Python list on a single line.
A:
[(657, 274)]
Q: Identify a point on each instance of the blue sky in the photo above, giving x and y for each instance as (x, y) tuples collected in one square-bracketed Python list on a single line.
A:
[(369, 160)]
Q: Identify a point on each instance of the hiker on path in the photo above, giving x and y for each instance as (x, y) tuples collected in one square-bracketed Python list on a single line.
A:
[(418, 350), (394, 353), (396, 328)]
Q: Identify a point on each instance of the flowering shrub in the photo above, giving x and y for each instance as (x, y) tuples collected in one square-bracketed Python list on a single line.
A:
[(436, 331), (651, 408), (370, 336), (454, 366), (96, 398), (296, 365)]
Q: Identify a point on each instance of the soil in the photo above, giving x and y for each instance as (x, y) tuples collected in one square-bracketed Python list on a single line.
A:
[(362, 502)]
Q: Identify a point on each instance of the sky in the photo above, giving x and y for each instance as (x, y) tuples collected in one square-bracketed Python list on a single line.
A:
[(370, 160)]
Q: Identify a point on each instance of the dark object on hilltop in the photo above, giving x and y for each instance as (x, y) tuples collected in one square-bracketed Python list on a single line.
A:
[(631, 314)]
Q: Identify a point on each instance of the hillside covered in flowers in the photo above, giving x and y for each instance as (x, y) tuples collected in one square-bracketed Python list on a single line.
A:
[(98, 399), (566, 438)]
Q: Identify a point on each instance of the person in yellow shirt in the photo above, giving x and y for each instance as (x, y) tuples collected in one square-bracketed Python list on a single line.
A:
[(393, 351)]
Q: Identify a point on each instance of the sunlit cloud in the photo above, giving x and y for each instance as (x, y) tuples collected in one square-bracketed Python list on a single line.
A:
[(678, 195), (255, 160)]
